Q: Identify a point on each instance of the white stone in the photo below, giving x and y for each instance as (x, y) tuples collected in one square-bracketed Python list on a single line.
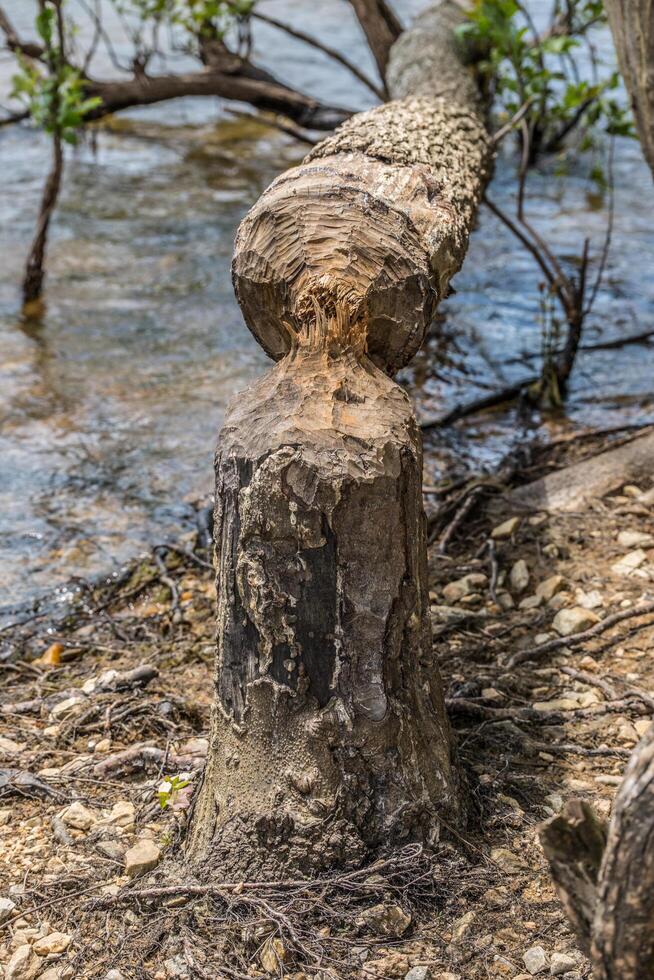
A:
[(9, 747), (78, 816), (23, 965), (590, 600), (630, 562), (561, 963), (143, 856), (461, 926), (506, 529), (418, 973), (519, 577), (507, 860), (7, 909), (550, 586), (635, 539), (642, 725), (122, 814), (54, 942), (455, 591), (535, 960), (575, 620)]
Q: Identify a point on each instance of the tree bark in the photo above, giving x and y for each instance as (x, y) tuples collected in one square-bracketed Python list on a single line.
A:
[(623, 931), (605, 879), (329, 734), (632, 25)]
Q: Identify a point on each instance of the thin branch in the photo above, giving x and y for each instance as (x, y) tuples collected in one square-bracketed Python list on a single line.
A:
[(609, 233), (14, 43), (513, 121), (326, 49), (535, 653)]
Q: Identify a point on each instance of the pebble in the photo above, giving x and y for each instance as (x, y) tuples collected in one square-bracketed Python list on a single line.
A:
[(550, 586), (635, 539), (143, 856), (386, 920), (507, 860), (630, 562), (519, 576), (506, 600), (23, 965), (5, 816), (67, 706), (9, 747), (418, 973), (506, 529), (531, 602), (7, 908), (561, 963), (55, 942), (642, 725), (122, 814), (535, 960), (78, 816), (457, 590), (462, 925), (590, 600), (568, 621), (104, 745)]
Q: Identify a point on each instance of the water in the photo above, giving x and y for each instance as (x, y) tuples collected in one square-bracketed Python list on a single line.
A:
[(110, 407)]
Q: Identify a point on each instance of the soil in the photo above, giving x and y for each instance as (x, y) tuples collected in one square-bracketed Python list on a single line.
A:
[(555, 726)]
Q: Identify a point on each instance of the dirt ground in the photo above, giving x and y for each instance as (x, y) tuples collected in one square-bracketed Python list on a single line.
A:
[(83, 752)]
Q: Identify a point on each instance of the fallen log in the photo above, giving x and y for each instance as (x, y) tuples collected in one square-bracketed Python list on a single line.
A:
[(329, 733), (376, 220), (573, 487)]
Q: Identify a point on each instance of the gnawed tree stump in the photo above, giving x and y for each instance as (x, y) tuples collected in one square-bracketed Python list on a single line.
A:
[(329, 737), (329, 733), (605, 877)]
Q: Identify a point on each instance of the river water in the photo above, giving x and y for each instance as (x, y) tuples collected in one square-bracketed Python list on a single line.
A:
[(111, 405)]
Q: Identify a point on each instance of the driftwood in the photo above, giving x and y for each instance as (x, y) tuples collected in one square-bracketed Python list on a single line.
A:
[(605, 876), (329, 733), (572, 488)]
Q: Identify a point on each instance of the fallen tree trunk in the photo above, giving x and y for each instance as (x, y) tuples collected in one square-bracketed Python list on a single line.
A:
[(573, 487), (632, 25), (605, 877), (329, 734)]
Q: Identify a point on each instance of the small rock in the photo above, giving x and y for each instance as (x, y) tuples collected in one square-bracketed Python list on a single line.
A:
[(67, 706), (122, 814), (113, 850), (23, 965), (590, 600), (507, 860), (418, 973), (457, 590), (629, 563), (104, 745), (635, 539), (506, 529), (641, 726), (7, 909), (496, 896), (519, 577), (272, 955), (386, 920), (55, 942), (9, 747), (5, 816), (535, 959), (568, 621), (78, 816), (143, 856), (461, 926), (550, 586), (114, 975), (505, 600), (176, 966), (531, 602), (561, 963)]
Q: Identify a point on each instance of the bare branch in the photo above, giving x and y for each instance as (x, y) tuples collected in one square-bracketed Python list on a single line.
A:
[(14, 43), (381, 28)]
